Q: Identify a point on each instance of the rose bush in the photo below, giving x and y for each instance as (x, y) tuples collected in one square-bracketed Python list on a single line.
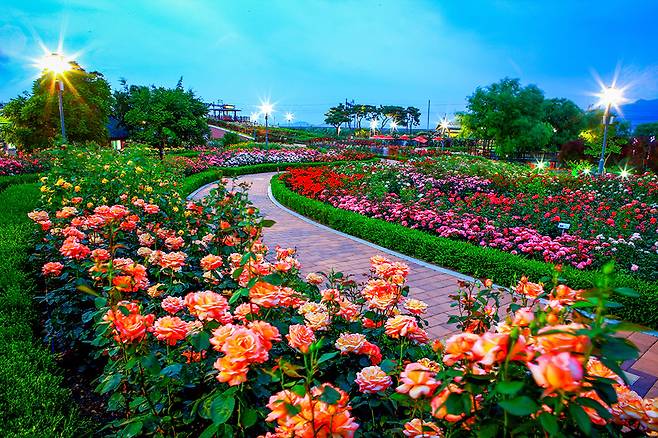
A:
[(505, 207), (20, 164), (200, 331)]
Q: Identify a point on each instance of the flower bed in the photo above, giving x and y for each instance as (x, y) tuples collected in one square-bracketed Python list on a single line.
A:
[(507, 208), (203, 334), (251, 157), (18, 165)]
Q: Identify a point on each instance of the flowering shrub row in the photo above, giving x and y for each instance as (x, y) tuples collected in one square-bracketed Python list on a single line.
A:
[(511, 210), (203, 333), (20, 164), (250, 157)]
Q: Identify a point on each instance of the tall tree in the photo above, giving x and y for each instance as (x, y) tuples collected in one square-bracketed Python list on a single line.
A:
[(336, 116), (166, 116), (646, 129), (386, 113), (363, 112), (411, 117), (34, 118), (566, 119), (509, 114)]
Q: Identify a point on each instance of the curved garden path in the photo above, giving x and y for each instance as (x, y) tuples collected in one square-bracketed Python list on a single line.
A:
[(321, 249)]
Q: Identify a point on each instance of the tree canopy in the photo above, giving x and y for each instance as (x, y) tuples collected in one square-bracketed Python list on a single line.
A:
[(162, 116), (337, 115), (646, 129), (519, 119), (34, 117)]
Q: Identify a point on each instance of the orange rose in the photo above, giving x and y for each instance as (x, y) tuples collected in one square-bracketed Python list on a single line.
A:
[(300, 337), (52, 269), (244, 310), (173, 260), (231, 371), (221, 334), (523, 317), (401, 326), (172, 304), (372, 379), (208, 305), (418, 428), (415, 307), (317, 320), (439, 409), (170, 328), (210, 262), (266, 331), (557, 372), (314, 279), (565, 339), (459, 347), (265, 294), (350, 342), (245, 345), (417, 380), (530, 290)]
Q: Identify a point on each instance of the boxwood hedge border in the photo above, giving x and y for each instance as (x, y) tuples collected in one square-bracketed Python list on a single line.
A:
[(464, 257)]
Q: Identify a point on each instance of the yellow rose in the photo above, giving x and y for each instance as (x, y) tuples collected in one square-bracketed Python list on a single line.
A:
[(89, 204), (60, 182), (44, 189), (176, 211), (76, 188), (139, 169), (104, 181)]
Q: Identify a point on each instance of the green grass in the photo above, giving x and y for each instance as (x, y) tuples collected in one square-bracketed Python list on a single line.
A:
[(6, 181), (503, 268), (33, 401)]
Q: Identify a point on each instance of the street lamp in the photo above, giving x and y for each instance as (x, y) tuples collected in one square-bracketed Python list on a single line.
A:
[(608, 97), (266, 108), (57, 64), (289, 117), (373, 126), (393, 126)]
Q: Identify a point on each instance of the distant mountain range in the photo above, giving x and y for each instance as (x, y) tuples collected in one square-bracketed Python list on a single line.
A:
[(641, 111)]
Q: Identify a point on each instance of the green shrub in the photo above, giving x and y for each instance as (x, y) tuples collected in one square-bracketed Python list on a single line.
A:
[(6, 181), (33, 401), (501, 267)]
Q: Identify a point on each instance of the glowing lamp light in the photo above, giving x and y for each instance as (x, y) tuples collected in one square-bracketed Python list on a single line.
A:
[(587, 171), (394, 125), (541, 165), (254, 117), (266, 108), (55, 62), (624, 173), (289, 117), (445, 124), (373, 124), (611, 97)]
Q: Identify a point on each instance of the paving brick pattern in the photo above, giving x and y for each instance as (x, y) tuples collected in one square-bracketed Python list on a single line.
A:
[(319, 249)]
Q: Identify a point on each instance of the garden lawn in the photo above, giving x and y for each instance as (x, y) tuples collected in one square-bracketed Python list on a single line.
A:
[(32, 399)]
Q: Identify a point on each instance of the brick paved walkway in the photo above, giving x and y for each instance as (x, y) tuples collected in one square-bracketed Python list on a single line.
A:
[(320, 249)]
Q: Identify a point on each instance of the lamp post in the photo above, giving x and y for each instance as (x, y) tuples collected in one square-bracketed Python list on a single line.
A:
[(266, 108), (373, 126), (254, 120), (609, 97), (57, 65)]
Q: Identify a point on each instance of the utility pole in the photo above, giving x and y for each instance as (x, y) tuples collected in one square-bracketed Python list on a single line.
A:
[(428, 114)]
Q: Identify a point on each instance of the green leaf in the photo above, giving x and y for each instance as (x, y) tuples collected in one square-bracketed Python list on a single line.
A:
[(519, 406), (581, 418), (200, 341), (454, 404), (221, 409), (328, 356), (132, 429), (172, 370), (387, 366), (330, 395), (273, 279), (111, 383), (627, 292), (549, 423), (243, 292), (249, 417), (509, 388), (598, 407), (267, 223), (299, 390), (210, 431)]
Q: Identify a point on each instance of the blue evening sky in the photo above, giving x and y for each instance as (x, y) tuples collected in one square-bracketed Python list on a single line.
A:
[(308, 55)]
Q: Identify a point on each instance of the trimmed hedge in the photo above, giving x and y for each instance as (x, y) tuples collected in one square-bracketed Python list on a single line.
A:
[(6, 181), (464, 257), (33, 401)]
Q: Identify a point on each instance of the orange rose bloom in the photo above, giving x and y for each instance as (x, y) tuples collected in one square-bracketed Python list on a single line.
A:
[(266, 331), (350, 342), (439, 410), (245, 345), (565, 340), (172, 304), (244, 310), (317, 320), (459, 347), (415, 307), (129, 328), (221, 334), (417, 380), (53, 269), (557, 372), (315, 279), (530, 290), (210, 262), (173, 260), (231, 371), (300, 337), (208, 305), (170, 328), (401, 326), (372, 379), (265, 294), (417, 428)]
